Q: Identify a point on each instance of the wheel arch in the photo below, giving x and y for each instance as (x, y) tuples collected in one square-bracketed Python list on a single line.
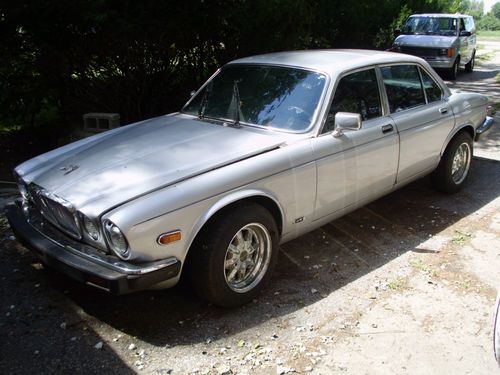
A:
[(467, 128), (262, 198)]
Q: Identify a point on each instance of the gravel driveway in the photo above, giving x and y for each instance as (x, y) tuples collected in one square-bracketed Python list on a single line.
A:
[(406, 284)]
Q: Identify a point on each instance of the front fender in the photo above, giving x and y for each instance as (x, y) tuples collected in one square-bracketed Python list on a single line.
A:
[(234, 197)]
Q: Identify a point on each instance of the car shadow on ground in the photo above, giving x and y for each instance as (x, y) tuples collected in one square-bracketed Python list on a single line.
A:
[(478, 81), (309, 268)]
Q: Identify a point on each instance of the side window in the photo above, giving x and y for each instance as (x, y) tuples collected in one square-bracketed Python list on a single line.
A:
[(469, 24), (432, 89), (403, 87), (357, 93)]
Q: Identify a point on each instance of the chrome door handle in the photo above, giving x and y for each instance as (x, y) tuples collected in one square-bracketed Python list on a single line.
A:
[(443, 110), (387, 128)]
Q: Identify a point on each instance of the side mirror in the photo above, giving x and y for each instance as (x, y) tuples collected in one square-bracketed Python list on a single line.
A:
[(346, 121), (397, 32), (465, 33)]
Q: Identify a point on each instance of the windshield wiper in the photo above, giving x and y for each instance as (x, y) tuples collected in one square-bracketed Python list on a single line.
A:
[(204, 101), (237, 101)]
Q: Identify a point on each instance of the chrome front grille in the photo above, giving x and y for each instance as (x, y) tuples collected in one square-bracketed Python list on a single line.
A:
[(56, 210), (420, 51)]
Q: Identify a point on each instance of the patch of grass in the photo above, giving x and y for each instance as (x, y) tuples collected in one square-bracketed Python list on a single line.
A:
[(425, 268), (485, 56), (421, 266), (465, 284), (498, 80), (395, 284), (496, 106), (488, 34), (459, 238)]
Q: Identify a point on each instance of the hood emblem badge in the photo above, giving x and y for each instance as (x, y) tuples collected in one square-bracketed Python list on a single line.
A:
[(69, 168)]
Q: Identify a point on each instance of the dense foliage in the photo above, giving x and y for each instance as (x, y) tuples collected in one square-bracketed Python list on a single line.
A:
[(60, 59)]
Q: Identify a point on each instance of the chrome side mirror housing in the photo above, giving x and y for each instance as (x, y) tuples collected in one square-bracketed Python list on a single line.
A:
[(346, 121)]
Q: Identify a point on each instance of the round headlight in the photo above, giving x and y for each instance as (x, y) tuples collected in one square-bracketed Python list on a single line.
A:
[(90, 228), (116, 239)]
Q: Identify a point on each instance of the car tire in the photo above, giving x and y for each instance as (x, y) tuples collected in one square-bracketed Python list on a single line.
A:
[(234, 255), (453, 71), (469, 67), (453, 169)]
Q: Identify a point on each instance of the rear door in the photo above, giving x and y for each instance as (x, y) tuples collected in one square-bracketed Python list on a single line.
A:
[(422, 115)]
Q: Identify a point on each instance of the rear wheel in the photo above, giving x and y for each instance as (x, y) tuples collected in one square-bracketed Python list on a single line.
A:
[(454, 166), (469, 67), (235, 255)]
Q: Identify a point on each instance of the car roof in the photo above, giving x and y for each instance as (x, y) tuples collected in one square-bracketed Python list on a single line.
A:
[(447, 15), (328, 61)]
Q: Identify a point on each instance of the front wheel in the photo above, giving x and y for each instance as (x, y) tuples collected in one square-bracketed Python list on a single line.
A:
[(469, 67), (453, 169), (453, 71), (235, 255)]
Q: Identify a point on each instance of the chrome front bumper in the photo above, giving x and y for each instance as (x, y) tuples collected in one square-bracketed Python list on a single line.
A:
[(82, 262)]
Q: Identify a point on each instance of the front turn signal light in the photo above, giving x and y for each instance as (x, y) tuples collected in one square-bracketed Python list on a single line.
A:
[(168, 238)]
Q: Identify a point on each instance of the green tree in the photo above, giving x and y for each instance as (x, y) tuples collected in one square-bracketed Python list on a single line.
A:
[(489, 22), (496, 10), (60, 59)]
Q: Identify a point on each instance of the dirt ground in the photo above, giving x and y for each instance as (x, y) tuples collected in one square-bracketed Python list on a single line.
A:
[(405, 285)]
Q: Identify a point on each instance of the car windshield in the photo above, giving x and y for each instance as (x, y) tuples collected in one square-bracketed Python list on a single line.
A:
[(270, 96), (431, 26)]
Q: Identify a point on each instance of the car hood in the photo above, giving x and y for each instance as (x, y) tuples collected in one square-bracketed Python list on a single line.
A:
[(122, 164), (430, 41)]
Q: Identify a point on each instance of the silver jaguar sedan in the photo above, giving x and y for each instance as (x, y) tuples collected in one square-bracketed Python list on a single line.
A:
[(269, 148)]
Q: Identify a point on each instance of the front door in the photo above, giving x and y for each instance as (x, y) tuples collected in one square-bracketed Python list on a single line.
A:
[(359, 164)]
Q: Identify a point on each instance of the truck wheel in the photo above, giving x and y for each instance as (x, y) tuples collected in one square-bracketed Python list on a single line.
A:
[(469, 67), (453, 71), (453, 169), (235, 255)]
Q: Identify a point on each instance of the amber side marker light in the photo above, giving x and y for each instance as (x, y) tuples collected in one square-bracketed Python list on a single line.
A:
[(450, 52), (168, 238)]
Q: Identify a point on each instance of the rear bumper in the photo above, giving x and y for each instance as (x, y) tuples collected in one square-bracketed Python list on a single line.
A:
[(82, 262), (484, 127)]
